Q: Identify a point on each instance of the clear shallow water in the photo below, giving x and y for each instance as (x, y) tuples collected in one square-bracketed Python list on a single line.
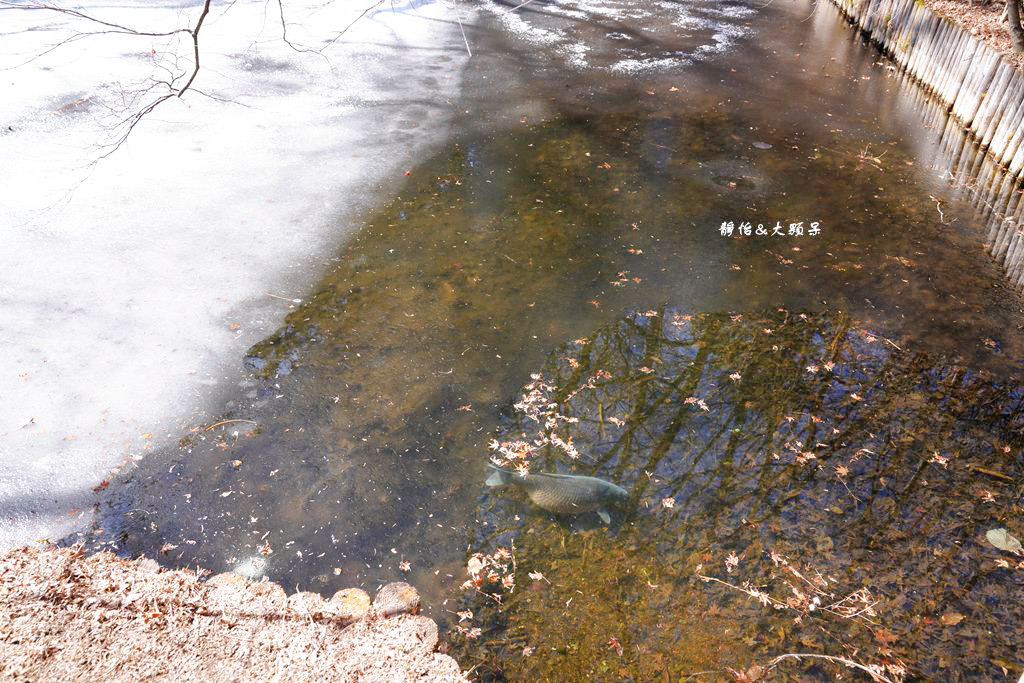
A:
[(569, 199), (773, 459)]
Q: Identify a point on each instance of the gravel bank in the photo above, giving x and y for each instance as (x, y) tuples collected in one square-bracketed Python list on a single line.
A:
[(68, 616)]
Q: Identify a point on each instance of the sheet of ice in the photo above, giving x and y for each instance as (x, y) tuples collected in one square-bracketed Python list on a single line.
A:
[(131, 284), (625, 36)]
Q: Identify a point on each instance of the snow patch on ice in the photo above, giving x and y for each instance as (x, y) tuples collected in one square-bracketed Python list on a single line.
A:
[(569, 27), (627, 66)]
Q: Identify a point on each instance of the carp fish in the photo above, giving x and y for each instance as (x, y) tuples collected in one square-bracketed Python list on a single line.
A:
[(563, 493)]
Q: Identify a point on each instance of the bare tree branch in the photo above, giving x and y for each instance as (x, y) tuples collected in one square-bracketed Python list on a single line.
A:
[(138, 103), (284, 32), (195, 43), (111, 28), (123, 128), (115, 28), (362, 14)]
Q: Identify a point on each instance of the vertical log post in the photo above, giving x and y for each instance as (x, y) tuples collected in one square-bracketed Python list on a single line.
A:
[(1016, 30)]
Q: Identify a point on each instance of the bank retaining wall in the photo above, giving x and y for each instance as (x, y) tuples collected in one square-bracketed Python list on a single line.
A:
[(980, 89)]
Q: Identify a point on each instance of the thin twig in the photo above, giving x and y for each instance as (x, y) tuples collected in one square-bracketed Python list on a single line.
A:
[(352, 23), (195, 43), (284, 298), (938, 207), (117, 28), (224, 422), (870, 671), (458, 18), (891, 343), (522, 4), (991, 473), (920, 466)]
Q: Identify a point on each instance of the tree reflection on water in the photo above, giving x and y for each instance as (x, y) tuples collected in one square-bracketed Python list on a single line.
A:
[(835, 487)]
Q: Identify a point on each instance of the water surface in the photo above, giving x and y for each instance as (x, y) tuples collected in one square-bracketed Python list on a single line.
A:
[(574, 197)]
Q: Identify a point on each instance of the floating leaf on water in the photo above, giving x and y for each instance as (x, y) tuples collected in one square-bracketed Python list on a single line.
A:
[(1001, 539)]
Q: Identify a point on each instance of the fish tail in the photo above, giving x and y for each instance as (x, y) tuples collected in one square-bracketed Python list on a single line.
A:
[(497, 477)]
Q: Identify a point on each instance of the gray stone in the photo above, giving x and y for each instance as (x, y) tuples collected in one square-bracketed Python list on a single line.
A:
[(350, 604), (396, 598), (423, 629)]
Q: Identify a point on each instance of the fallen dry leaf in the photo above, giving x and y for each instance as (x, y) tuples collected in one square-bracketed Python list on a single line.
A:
[(952, 618)]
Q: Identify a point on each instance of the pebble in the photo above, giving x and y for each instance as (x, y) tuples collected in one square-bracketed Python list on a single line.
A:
[(350, 604), (396, 598)]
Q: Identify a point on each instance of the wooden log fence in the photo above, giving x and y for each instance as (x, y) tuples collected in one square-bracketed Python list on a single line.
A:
[(982, 91), (991, 191)]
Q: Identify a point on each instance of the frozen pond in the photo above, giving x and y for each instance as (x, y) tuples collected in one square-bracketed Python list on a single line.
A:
[(132, 281), (829, 393)]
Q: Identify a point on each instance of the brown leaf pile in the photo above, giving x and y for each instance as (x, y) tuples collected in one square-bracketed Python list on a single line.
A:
[(983, 22), (66, 616)]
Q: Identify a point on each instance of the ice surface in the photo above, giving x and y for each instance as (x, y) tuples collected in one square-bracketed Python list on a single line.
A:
[(673, 34), (130, 288)]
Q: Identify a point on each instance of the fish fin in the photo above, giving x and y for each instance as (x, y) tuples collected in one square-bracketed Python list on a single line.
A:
[(605, 517), (497, 478)]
